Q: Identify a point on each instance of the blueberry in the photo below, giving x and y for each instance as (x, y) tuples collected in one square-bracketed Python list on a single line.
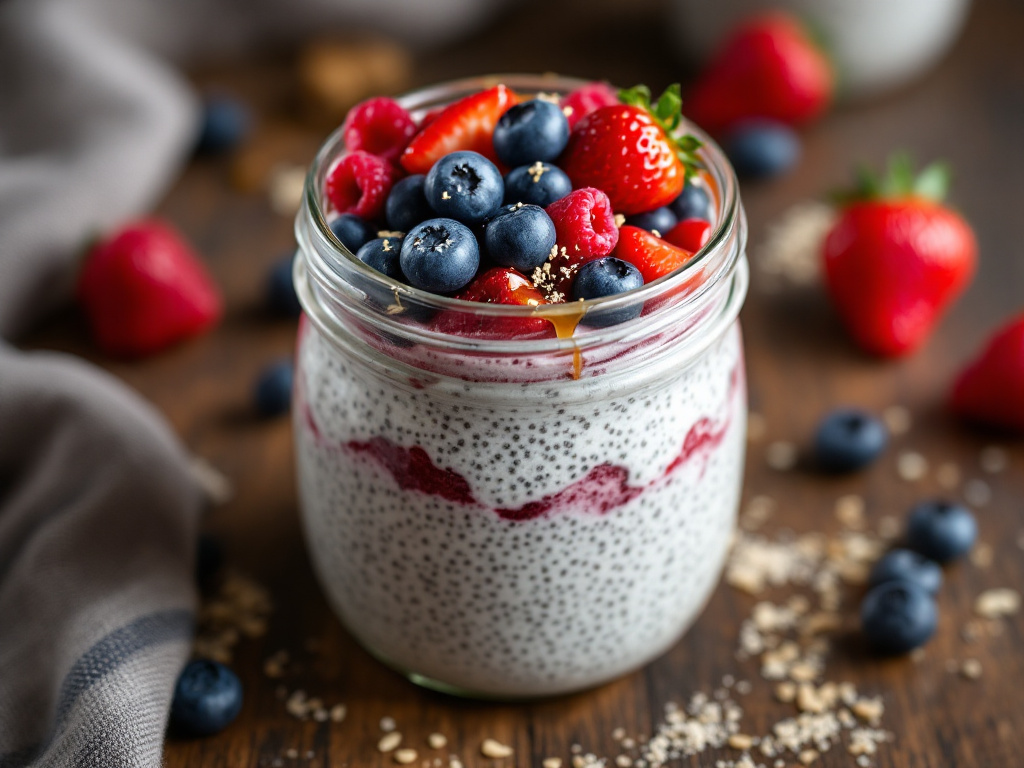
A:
[(226, 121), (903, 564), (407, 204), (440, 255), (207, 698), (382, 253), (520, 236), (941, 530), (272, 395), (898, 616), (762, 148), (538, 184), (465, 186), (281, 296), (352, 231), (693, 202), (531, 131), (848, 439), (660, 220), (607, 277)]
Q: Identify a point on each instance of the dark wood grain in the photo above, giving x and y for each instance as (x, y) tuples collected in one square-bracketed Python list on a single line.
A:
[(970, 110)]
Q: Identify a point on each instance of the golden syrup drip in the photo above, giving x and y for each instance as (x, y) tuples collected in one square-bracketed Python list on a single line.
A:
[(565, 325)]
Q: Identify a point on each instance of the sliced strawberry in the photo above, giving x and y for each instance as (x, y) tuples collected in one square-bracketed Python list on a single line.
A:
[(499, 285), (144, 289), (466, 124), (587, 99), (690, 234), (990, 390), (651, 255)]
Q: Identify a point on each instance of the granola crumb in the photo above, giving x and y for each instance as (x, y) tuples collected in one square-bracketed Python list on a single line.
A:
[(911, 466), (808, 756), (849, 511), (437, 741), (997, 603), (552, 762), (495, 749), (781, 455), (741, 741), (971, 669), (982, 555), (338, 712), (405, 756), (389, 741), (757, 427)]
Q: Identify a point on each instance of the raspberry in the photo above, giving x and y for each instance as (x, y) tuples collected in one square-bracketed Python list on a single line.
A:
[(584, 223), (360, 184), (380, 126), (586, 99)]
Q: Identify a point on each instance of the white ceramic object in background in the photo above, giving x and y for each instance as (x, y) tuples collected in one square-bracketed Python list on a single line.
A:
[(877, 44)]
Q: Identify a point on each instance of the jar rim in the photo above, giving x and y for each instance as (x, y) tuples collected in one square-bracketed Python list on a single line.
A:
[(333, 260)]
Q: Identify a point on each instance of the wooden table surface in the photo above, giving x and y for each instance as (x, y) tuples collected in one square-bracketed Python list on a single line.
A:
[(969, 110)]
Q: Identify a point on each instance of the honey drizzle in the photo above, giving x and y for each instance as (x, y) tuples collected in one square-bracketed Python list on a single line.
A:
[(565, 325)]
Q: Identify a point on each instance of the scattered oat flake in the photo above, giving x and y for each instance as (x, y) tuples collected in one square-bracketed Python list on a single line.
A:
[(996, 603), (808, 756), (870, 710), (889, 527), (291, 754), (389, 741), (338, 712), (741, 741), (214, 483), (897, 419), (792, 246), (849, 511), (552, 762), (286, 185), (437, 741), (781, 455), (405, 756), (971, 669), (495, 749), (624, 761), (982, 555), (388, 724), (977, 493), (993, 459), (911, 466), (757, 427)]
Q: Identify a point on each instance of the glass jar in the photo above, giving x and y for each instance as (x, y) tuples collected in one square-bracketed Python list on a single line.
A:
[(516, 517)]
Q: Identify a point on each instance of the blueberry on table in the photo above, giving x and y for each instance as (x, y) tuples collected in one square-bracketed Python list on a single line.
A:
[(440, 256), (207, 698), (352, 231), (897, 617), (382, 254), (225, 123), (693, 202), (941, 530), (660, 220), (536, 184), (520, 236), (907, 565), (464, 186), (848, 439), (273, 392), (607, 277), (281, 295), (761, 148), (407, 204), (531, 131)]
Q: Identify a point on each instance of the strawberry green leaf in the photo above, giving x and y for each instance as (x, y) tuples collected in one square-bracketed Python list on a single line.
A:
[(667, 113), (899, 182), (933, 182)]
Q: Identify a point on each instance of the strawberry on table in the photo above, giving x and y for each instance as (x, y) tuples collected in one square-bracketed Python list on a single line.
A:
[(468, 124), (632, 151), (767, 68), (499, 285), (897, 257), (650, 254), (990, 390), (143, 289)]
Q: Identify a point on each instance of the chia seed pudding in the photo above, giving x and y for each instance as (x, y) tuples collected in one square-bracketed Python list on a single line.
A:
[(516, 519)]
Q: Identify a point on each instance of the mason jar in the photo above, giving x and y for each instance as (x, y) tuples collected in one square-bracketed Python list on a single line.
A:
[(507, 515)]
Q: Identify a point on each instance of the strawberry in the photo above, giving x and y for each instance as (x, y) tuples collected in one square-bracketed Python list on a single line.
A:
[(650, 254), (499, 285), (990, 390), (767, 68), (632, 151), (466, 124), (689, 234), (896, 258), (143, 289)]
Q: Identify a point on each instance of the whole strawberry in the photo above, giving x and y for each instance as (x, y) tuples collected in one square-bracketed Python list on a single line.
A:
[(632, 151), (897, 258), (143, 289), (990, 390), (768, 68)]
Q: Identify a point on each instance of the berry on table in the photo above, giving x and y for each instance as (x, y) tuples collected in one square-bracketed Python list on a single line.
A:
[(761, 148), (660, 220), (380, 126), (898, 616), (694, 202), (689, 234), (359, 183), (520, 236), (382, 254), (530, 131), (607, 277), (440, 255), (207, 699), (352, 231), (989, 390), (272, 395), (907, 565), (941, 530), (464, 186), (586, 99), (651, 255), (536, 184), (585, 223), (848, 439), (281, 295), (407, 204), (226, 122)]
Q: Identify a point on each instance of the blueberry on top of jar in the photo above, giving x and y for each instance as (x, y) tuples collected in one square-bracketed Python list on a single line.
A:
[(530, 131), (536, 184), (464, 186), (440, 255), (520, 236)]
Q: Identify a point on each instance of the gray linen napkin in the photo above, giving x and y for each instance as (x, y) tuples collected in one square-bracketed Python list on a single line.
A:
[(98, 512)]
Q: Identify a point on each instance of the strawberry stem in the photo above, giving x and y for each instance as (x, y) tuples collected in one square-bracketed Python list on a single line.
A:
[(667, 113), (898, 182)]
